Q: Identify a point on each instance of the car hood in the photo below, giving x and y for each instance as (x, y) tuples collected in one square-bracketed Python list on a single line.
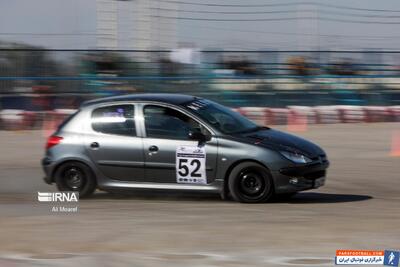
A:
[(283, 141)]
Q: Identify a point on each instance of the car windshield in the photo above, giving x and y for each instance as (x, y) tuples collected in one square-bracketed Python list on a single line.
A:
[(222, 118)]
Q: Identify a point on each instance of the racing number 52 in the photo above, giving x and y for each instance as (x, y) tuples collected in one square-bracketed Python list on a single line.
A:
[(184, 169)]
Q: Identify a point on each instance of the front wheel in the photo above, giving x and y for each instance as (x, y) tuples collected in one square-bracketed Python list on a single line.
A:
[(250, 182), (75, 176)]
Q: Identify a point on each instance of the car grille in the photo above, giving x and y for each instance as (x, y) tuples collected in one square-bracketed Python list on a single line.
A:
[(314, 175), (320, 159)]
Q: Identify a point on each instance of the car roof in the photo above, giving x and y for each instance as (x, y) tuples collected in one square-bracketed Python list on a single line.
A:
[(175, 99)]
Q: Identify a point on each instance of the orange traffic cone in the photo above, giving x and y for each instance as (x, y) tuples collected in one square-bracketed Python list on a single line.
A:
[(296, 122), (395, 144)]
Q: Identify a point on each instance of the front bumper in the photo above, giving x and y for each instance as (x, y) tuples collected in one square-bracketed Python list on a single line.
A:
[(302, 177)]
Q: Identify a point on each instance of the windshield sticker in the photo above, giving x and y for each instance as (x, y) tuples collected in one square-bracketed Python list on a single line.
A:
[(196, 105)]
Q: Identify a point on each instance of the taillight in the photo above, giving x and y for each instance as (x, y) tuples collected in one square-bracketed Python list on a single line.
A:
[(52, 141)]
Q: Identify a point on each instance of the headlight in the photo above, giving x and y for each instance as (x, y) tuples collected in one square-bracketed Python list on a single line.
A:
[(295, 157)]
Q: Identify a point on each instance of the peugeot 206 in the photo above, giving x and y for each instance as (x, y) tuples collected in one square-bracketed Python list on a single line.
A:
[(178, 142)]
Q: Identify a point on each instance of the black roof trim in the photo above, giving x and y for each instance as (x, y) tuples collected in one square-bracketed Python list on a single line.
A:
[(175, 99)]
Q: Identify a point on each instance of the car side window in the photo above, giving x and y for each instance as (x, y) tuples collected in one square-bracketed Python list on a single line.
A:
[(115, 119), (168, 123)]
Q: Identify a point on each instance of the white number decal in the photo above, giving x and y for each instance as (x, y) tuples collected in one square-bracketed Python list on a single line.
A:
[(190, 165)]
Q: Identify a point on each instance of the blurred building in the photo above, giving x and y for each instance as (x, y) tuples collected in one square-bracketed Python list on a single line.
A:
[(107, 24), (153, 27), (150, 22)]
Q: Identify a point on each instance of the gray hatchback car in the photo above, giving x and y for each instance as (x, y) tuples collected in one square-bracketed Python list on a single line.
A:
[(178, 142)]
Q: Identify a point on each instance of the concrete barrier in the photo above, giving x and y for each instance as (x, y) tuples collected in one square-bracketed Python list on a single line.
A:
[(17, 119)]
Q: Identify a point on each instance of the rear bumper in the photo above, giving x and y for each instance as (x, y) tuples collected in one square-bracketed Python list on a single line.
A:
[(47, 166), (299, 178)]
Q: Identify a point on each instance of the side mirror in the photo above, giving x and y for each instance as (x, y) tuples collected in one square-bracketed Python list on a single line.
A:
[(198, 136)]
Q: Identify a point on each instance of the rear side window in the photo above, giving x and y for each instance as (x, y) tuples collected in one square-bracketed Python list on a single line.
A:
[(116, 119)]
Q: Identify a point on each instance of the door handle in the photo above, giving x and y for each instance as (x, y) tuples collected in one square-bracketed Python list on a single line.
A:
[(94, 145), (153, 149)]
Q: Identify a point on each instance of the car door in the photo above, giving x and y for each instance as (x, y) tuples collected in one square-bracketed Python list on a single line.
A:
[(113, 143), (166, 130)]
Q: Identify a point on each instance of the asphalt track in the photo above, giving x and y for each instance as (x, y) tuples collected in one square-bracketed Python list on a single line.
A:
[(357, 209)]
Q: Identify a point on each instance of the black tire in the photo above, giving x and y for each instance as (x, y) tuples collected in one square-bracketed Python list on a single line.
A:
[(75, 176), (250, 182)]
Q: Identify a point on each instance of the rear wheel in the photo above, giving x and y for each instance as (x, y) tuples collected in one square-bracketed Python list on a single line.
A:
[(250, 182), (75, 176)]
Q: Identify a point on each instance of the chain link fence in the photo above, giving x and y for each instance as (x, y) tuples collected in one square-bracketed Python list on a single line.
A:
[(40, 79)]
